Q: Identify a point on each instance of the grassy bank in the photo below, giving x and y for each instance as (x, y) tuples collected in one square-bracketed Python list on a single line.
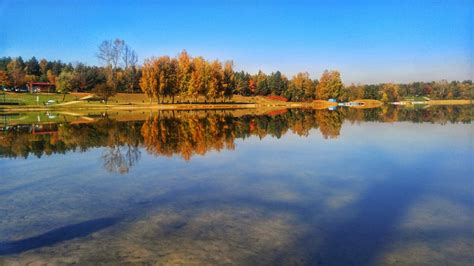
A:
[(368, 103), (139, 101), (38, 99), (449, 102), (132, 101)]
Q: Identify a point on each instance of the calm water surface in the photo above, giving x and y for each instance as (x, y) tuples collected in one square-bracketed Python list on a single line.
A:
[(344, 187)]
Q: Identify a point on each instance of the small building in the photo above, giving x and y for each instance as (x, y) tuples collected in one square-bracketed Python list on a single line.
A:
[(41, 87), (44, 129)]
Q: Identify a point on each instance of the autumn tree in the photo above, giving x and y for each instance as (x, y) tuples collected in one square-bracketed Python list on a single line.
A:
[(466, 89), (169, 77), (252, 85), (199, 78), (160, 78), (104, 91), (353, 92), (228, 82), (440, 89), (330, 85), (51, 77), (17, 73), (30, 78), (185, 76), (185, 70), (301, 87), (44, 66), (4, 80), (216, 81), (148, 80), (65, 83), (390, 92)]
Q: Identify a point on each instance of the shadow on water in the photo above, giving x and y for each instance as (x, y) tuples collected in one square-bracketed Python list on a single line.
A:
[(57, 235), (363, 238), (86, 228)]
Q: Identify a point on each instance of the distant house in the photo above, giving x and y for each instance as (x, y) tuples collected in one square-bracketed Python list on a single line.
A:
[(44, 129), (41, 87)]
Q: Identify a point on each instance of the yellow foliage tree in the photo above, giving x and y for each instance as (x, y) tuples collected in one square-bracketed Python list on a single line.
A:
[(390, 92), (330, 85)]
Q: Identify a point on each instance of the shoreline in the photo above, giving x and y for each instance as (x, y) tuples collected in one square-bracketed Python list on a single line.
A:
[(248, 103)]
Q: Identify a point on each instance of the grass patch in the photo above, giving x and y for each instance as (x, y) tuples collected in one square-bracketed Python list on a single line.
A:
[(36, 99), (368, 103), (449, 102), (416, 98), (321, 104)]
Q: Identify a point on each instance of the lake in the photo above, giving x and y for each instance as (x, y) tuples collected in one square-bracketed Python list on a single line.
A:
[(306, 187)]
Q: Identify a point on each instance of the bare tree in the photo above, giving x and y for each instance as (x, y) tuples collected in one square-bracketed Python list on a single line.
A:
[(110, 52), (105, 53), (130, 60), (115, 54), (129, 57)]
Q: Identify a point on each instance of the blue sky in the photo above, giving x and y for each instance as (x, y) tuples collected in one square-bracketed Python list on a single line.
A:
[(367, 41)]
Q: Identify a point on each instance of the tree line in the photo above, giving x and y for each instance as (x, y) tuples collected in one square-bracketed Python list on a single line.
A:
[(188, 78), (119, 72)]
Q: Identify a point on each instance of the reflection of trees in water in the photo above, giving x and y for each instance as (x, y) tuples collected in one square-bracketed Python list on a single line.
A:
[(123, 143), (189, 135), (330, 123), (195, 133), (120, 158), (389, 113)]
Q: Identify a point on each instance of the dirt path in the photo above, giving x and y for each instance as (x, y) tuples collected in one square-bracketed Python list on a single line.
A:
[(67, 103)]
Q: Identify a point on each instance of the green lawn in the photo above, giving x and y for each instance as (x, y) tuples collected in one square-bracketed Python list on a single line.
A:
[(415, 98), (38, 99), (35, 98)]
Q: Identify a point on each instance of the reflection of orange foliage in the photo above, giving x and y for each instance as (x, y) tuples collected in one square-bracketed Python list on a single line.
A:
[(252, 126), (277, 112), (277, 98), (389, 114), (330, 123), (193, 135)]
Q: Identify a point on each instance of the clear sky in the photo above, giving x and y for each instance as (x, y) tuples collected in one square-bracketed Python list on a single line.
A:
[(368, 41)]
